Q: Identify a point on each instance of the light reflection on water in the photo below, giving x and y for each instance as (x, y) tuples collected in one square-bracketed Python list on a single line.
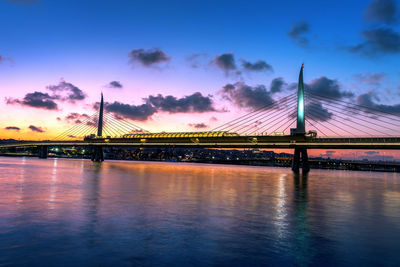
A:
[(72, 212)]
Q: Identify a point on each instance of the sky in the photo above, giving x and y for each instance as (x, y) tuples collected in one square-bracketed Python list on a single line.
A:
[(190, 65)]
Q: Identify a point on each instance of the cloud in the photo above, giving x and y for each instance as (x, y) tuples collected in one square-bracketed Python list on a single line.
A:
[(381, 11), (371, 152), (4, 59), (148, 57), (259, 65), (317, 112), (36, 100), (213, 119), (93, 122), (245, 96), (12, 128), (73, 93), (153, 104), (225, 62), (277, 85), (370, 78), (192, 103), (326, 87), (141, 112), (377, 42), (198, 125), (328, 153), (36, 129), (76, 117), (366, 100), (62, 92), (115, 84), (297, 32), (196, 60)]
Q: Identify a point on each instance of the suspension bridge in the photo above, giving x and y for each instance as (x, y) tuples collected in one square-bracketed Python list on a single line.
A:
[(302, 120)]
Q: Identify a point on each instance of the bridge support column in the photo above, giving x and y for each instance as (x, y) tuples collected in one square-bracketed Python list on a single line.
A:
[(300, 157), (43, 152), (97, 153)]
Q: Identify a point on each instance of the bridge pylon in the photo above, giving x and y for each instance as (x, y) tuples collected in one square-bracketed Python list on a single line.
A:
[(300, 156), (97, 151)]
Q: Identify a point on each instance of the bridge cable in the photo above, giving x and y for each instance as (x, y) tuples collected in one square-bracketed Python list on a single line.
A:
[(126, 126), (346, 125), (363, 108), (272, 119), (276, 112), (259, 110), (75, 127), (246, 116), (276, 119), (246, 122), (365, 126), (120, 127), (260, 118), (316, 127), (371, 122)]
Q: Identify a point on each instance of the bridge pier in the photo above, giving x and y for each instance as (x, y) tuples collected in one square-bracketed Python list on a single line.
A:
[(97, 154), (43, 152), (300, 157)]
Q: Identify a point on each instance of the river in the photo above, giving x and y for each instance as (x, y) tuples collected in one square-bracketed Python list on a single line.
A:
[(126, 213)]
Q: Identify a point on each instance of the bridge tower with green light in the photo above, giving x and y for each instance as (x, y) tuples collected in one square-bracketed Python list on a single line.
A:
[(300, 157)]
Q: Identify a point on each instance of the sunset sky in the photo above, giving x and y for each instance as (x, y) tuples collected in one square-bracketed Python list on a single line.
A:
[(188, 65)]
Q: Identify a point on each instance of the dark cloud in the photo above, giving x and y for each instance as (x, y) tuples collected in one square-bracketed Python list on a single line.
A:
[(381, 11), (153, 104), (76, 117), (72, 92), (246, 96), (62, 92), (93, 122), (297, 32), (141, 112), (36, 129), (277, 85), (259, 65), (192, 103), (377, 42), (367, 101), (326, 87), (36, 100), (371, 152), (12, 128), (317, 112), (115, 84), (370, 78), (198, 125), (196, 60), (4, 59), (225, 62), (148, 57), (213, 119), (328, 153)]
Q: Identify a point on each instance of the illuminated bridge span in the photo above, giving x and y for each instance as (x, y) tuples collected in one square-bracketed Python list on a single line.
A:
[(331, 123)]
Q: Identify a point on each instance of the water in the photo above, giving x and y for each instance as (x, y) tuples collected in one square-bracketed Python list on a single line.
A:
[(74, 212)]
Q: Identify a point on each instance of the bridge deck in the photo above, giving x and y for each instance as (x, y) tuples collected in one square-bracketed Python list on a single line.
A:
[(231, 142)]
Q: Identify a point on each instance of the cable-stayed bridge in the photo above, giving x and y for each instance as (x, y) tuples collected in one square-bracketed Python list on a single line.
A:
[(300, 121)]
